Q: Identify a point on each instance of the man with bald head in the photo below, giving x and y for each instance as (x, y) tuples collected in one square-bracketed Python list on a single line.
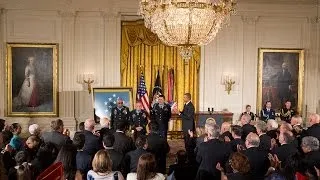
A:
[(314, 126), (120, 113), (91, 145), (246, 126), (259, 162)]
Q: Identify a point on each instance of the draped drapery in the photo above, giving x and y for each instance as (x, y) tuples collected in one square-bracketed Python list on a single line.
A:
[(141, 50)]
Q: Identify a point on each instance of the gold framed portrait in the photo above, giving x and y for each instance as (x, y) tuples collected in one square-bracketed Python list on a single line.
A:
[(280, 78), (32, 80)]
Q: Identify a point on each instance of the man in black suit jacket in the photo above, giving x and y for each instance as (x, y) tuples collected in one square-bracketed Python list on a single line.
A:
[(92, 144), (131, 158), (182, 169), (265, 140), (237, 143), (210, 153), (314, 129), (116, 157), (246, 126), (259, 162), (158, 146), (56, 136), (83, 159), (286, 149), (310, 147), (122, 144), (187, 116)]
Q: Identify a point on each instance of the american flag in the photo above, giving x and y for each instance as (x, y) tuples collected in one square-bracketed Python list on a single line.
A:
[(142, 94)]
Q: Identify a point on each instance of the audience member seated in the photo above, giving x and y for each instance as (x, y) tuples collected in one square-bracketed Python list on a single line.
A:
[(83, 159), (104, 123), (158, 146), (146, 169), (225, 134), (240, 168), (210, 153), (314, 126), (67, 156), (123, 143), (56, 136), (16, 142), (259, 162), (265, 140), (91, 145), (246, 126), (32, 146), (182, 170), (115, 156), (102, 168), (286, 149), (46, 155), (131, 159), (22, 170), (311, 158), (34, 129), (237, 143)]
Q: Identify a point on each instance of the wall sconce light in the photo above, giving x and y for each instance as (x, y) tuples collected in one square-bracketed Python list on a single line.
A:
[(228, 81), (86, 79)]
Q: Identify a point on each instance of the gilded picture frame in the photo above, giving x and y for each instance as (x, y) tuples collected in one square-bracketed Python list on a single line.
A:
[(104, 99), (280, 78), (32, 80)]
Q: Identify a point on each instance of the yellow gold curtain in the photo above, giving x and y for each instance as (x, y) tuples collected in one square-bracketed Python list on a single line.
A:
[(142, 50)]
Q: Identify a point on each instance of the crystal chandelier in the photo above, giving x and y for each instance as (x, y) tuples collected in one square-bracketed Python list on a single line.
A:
[(186, 23)]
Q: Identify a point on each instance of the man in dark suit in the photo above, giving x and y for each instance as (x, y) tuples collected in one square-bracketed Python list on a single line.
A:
[(158, 146), (265, 140), (138, 120), (116, 157), (182, 169), (83, 159), (187, 116), (120, 113), (267, 113), (56, 136), (122, 144), (161, 113), (246, 126), (91, 145), (314, 129), (310, 147), (259, 162), (237, 143), (284, 83), (286, 149), (210, 153), (131, 158), (105, 129)]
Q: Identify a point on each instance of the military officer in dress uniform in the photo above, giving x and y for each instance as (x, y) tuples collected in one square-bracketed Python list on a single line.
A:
[(287, 112), (120, 113), (268, 113), (161, 113), (138, 119)]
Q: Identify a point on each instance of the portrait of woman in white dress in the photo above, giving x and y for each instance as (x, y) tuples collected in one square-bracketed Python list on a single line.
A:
[(32, 80), (28, 94)]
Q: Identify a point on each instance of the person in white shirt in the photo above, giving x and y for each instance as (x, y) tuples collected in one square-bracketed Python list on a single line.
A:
[(146, 169)]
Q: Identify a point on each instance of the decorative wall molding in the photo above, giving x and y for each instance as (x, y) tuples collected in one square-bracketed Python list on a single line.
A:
[(250, 20), (313, 20)]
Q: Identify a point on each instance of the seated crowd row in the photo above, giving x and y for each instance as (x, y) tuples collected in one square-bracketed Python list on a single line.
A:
[(252, 150)]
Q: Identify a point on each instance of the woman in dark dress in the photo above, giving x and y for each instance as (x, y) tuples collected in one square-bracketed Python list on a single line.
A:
[(248, 111), (240, 168)]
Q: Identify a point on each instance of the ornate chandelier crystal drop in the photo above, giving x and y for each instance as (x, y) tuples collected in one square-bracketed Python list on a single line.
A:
[(186, 23)]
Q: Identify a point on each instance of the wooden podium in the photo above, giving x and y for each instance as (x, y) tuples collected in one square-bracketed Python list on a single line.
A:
[(175, 125)]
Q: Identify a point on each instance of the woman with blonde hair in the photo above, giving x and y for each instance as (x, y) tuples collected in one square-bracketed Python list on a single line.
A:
[(102, 168), (146, 169)]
